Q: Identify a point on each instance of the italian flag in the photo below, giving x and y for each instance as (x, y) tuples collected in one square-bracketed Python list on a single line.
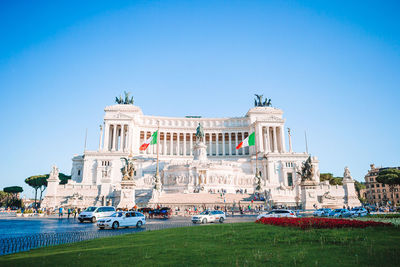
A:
[(249, 141), (151, 141)]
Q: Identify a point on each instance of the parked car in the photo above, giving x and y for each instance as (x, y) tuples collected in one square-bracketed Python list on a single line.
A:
[(122, 219), (322, 212), (163, 212), (92, 214), (358, 212), (209, 216), (340, 213), (277, 213)]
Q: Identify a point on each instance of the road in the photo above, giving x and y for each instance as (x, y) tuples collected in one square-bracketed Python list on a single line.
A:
[(11, 226)]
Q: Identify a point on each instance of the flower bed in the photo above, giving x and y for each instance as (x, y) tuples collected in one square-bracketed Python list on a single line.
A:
[(319, 223)]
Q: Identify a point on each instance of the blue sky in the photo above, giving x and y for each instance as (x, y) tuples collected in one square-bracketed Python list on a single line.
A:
[(332, 66)]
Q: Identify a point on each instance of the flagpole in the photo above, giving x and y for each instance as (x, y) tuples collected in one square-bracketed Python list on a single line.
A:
[(158, 149), (255, 144)]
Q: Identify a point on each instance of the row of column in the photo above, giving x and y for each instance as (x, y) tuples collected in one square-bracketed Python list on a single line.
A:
[(269, 139), (116, 137), (178, 143), (272, 139)]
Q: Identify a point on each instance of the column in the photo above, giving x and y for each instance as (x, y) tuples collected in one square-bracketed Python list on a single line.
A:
[(122, 148), (114, 137), (165, 144), (243, 148), (128, 138), (148, 150), (184, 144), (191, 144), (283, 146), (211, 150), (171, 144), (217, 145), (106, 136), (275, 141), (178, 136), (267, 145), (236, 143), (259, 138), (230, 144), (223, 143)]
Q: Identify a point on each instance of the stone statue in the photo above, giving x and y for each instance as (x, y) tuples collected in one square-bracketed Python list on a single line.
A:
[(199, 133), (346, 174), (128, 170), (54, 173), (124, 101), (307, 170), (258, 101), (257, 180), (326, 195)]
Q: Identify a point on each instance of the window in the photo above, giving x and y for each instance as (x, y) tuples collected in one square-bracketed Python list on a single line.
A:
[(397, 195), (379, 196), (290, 179), (372, 185), (383, 190), (374, 196), (373, 191), (378, 190), (79, 172), (371, 179), (378, 185)]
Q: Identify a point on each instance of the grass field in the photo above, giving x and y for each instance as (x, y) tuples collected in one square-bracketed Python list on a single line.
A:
[(240, 244)]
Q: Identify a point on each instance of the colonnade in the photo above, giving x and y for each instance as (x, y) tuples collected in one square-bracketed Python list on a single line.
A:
[(116, 137), (273, 139), (181, 143)]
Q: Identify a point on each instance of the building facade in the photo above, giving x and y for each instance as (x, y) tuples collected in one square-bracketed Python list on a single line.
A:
[(380, 194), (96, 175)]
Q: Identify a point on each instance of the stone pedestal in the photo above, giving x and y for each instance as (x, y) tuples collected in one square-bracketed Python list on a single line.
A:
[(127, 199), (351, 198), (50, 201), (200, 151), (308, 194)]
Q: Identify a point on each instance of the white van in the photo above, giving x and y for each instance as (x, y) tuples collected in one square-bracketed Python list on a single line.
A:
[(94, 213)]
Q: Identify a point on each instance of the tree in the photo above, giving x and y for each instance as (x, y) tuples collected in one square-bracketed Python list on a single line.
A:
[(332, 180), (358, 186), (12, 195), (38, 182), (64, 178), (13, 190), (390, 177)]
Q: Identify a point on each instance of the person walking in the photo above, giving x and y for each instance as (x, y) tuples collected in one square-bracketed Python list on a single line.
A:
[(69, 212), (60, 212), (74, 212)]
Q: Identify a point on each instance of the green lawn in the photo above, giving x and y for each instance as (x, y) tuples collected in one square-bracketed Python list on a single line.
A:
[(241, 244)]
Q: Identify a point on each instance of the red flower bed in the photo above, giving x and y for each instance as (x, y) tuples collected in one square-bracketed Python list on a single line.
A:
[(319, 223)]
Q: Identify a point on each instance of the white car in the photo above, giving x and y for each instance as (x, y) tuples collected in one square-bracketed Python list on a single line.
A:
[(209, 216), (122, 219), (277, 214), (321, 212), (358, 212), (92, 214)]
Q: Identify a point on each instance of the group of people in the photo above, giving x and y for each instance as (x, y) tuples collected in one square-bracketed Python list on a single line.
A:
[(68, 211)]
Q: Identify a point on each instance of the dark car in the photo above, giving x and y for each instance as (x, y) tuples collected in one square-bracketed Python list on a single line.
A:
[(164, 212)]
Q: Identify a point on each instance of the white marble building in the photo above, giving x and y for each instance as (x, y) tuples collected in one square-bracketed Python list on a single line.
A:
[(96, 175)]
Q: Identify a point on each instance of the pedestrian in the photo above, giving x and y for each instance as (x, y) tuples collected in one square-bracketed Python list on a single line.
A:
[(74, 211), (69, 212), (60, 212)]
